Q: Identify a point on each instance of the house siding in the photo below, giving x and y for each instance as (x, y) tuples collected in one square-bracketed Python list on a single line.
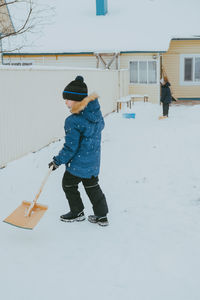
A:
[(61, 60), (171, 64), (80, 61)]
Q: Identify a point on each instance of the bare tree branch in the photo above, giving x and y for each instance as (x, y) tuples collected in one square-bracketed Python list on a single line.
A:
[(22, 29), (28, 16), (7, 3)]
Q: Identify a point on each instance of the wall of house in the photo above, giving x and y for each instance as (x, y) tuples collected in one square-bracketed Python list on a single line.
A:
[(152, 90), (32, 110), (79, 61), (71, 61), (171, 64), (89, 61)]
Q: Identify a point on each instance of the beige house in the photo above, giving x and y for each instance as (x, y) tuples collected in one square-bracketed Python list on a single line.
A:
[(144, 50), (144, 68), (181, 63)]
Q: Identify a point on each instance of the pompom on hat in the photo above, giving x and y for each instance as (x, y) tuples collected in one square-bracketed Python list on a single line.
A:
[(76, 90)]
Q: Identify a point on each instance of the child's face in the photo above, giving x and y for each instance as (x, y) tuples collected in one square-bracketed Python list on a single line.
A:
[(69, 103)]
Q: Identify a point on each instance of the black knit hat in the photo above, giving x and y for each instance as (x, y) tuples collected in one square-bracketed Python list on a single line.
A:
[(76, 90)]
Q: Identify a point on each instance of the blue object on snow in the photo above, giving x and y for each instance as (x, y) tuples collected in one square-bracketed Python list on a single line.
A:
[(101, 7), (129, 116)]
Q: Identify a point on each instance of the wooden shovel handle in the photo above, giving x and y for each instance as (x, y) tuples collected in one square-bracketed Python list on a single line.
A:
[(40, 191), (42, 185)]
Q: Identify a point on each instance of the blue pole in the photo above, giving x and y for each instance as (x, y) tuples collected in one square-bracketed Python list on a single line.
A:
[(101, 7)]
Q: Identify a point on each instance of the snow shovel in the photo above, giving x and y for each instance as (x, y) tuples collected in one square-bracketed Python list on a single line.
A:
[(28, 214)]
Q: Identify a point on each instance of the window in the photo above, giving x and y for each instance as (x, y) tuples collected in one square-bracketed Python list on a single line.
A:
[(143, 72), (134, 72), (190, 69), (152, 71), (197, 69)]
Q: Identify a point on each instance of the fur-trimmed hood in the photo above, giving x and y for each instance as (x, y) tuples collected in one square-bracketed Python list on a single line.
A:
[(79, 106), (89, 108)]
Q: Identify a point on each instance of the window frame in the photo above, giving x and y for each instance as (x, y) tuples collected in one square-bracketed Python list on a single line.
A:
[(184, 82), (138, 60)]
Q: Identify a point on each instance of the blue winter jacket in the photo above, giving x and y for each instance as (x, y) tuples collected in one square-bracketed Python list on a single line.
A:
[(82, 147)]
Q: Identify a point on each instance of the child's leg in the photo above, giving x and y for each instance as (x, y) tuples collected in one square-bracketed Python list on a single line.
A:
[(70, 187), (96, 196), (165, 109)]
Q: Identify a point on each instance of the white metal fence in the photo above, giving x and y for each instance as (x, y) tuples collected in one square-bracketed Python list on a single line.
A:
[(32, 111)]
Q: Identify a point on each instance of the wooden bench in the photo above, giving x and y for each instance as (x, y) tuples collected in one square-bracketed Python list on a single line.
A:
[(145, 97), (129, 100), (126, 100)]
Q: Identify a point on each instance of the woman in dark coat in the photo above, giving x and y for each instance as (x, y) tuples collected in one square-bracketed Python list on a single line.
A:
[(166, 97)]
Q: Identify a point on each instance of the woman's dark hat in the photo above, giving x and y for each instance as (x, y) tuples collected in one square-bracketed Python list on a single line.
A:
[(76, 90)]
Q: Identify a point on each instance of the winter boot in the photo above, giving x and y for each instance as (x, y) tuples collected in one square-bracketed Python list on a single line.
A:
[(162, 117), (71, 217), (102, 221)]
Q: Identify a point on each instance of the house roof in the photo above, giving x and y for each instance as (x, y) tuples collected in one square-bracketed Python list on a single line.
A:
[(129, 26)]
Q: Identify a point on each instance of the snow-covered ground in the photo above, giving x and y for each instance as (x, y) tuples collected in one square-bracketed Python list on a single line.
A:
[(150, 174)]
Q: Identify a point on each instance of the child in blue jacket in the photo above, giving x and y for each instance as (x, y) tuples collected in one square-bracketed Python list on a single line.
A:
[(81, 153)]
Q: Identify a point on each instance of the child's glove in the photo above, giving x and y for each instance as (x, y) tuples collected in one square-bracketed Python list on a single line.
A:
[(52, 163)]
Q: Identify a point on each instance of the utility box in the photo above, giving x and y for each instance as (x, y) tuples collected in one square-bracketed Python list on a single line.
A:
[(101, 7)]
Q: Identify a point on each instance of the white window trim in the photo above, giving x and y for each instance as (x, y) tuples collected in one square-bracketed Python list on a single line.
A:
[(144, 60), (182, 59)]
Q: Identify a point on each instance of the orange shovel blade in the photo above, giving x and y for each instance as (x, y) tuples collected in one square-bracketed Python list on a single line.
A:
[(18, 217)]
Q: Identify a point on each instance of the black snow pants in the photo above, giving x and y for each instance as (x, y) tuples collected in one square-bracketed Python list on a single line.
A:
[(93, 190), (165, 109)]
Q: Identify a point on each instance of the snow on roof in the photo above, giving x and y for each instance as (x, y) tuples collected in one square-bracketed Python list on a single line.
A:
[(130, 25)]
